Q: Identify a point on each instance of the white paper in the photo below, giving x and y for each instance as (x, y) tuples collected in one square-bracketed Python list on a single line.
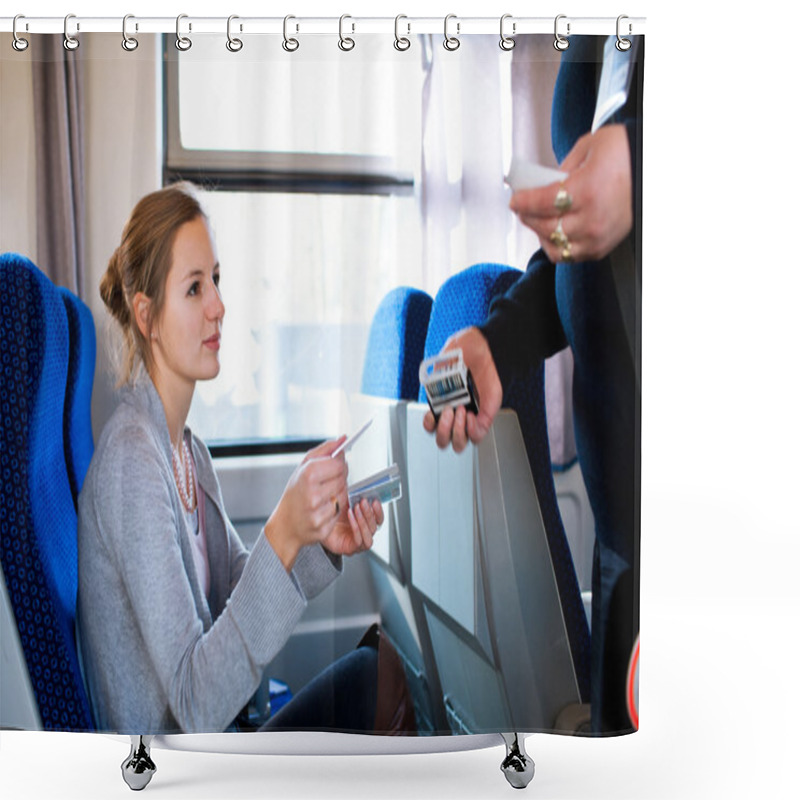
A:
[(524, 174), (615, 82)]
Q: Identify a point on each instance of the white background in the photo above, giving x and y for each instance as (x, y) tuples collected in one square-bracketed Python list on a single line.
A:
[(720, 604)]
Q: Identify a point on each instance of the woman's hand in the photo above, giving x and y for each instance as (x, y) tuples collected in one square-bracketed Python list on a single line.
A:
[(460, 426), (311, 504), (355, 528), (599, 184)]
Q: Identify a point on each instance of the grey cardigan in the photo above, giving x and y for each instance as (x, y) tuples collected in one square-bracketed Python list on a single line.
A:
[(157, 655)]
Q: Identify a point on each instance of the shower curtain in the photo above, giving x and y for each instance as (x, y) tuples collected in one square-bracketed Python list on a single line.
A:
[(336, 169)]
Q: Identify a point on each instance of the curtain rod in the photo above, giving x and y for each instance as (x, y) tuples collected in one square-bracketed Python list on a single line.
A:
[(566, 25)]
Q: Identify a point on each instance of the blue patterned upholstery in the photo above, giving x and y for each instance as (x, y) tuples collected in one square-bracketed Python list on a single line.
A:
[(38, 522), (78, 439), (464, 300), (396, 343)]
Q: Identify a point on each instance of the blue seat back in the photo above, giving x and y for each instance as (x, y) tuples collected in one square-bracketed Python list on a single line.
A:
[(462, 301), (396, 344), (78, 438), (38, 521)]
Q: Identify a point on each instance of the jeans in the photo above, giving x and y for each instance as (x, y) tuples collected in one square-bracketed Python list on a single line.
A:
[(342, 698)]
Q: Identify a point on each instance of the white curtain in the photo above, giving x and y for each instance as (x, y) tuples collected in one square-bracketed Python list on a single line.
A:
[(480, 105), (464, 202)]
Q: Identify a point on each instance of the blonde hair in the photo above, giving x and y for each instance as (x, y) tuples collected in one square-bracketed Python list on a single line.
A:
[(141, 264)]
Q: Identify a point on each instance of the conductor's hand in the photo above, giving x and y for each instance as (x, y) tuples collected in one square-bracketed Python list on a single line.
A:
[(459, 426), (599, 183)]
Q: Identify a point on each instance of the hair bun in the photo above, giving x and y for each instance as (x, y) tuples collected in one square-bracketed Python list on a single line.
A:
[(112, 291)]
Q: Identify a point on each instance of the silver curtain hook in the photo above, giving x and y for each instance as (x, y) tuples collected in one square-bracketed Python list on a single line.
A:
[(345, 42), (623, 44), (506, 42), (234, 45), (18, 43), (451, 42), (560, 43), (129, 43), (401, 43), (70, 42), (183, 43), (289, 44)]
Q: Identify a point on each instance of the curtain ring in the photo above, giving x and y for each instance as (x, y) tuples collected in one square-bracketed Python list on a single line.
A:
[(233, 45), (18, 43), (289, 45), (401, 43), (623, 44), (70, 42), (183, 43), (506, 42), (129, 43), (345, 42), (560, 43), (451, 42)]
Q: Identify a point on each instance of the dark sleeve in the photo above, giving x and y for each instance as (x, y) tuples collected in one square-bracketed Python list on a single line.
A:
[(631, 117), (523, 325), (575, 93)]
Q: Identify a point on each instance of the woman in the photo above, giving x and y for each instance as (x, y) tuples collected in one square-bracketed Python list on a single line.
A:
[(176, 620)]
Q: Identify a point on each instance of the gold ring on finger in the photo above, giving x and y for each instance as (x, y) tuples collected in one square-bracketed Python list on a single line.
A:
[(558, 237), (563, 201), (336, 508)]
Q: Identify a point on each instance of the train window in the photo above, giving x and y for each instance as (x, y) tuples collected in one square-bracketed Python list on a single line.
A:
[(310, 191), (301, 275)]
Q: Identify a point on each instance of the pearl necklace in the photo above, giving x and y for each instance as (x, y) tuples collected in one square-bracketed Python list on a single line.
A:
[(184, 477)]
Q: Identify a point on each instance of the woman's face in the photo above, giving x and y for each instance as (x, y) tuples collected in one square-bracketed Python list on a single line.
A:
[(187, 336)]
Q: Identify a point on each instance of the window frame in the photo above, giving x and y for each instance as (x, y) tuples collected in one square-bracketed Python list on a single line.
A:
[(265, 171)]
